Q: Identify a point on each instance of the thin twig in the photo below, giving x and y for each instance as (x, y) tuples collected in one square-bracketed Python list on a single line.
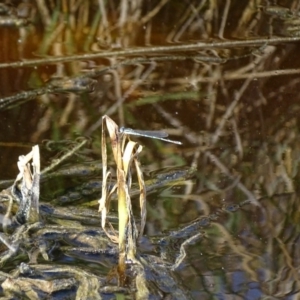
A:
[(64, 157), (152, 50)]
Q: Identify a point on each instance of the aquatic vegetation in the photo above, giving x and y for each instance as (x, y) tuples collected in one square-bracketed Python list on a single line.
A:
[(79, 79)]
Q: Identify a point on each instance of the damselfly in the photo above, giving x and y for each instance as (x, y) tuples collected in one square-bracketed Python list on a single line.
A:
[(158, 135)]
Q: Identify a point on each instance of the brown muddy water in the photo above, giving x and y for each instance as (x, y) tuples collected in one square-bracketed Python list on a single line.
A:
[(221, 77)]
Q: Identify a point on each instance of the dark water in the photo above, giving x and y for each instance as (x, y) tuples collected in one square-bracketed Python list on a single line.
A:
[(233, 103)]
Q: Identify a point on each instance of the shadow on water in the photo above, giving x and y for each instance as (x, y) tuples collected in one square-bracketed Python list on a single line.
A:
[(222, 77)]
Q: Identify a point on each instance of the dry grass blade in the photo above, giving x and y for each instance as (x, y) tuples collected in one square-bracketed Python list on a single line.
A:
[(27, 184), (35, 189), (131, 152), (112, 128), (142, 195), (25, 192), (125, 154), (103, 202)]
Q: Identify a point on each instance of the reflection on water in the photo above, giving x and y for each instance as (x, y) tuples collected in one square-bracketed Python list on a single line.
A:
[(222, 77), (253, 253)]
